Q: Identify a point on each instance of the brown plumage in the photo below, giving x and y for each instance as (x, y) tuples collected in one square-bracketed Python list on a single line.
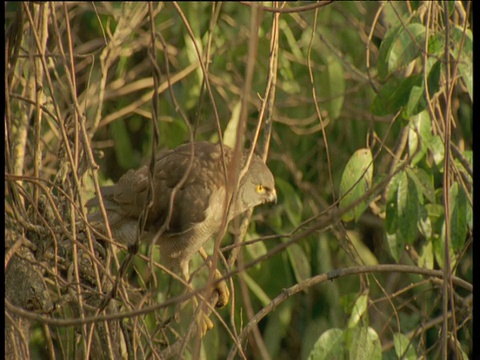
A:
[(198, 205)]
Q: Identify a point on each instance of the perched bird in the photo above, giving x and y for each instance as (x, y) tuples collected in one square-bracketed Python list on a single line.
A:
[(190, 215)]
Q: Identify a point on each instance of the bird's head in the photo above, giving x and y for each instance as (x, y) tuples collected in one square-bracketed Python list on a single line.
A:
[(256, 187)]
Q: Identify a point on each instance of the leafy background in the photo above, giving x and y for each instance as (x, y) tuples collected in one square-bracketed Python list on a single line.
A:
[(365, 109)]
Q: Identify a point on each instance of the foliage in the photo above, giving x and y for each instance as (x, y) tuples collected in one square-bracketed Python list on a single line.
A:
[(365, 112)]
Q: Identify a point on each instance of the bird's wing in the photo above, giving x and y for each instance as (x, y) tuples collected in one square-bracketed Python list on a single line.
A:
[(200, 176)]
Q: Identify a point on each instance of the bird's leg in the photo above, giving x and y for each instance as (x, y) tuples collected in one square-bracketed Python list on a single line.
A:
[(203, 321), (221, 288)]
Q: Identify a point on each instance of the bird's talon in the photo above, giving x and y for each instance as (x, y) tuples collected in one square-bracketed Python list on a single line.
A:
[(222, 290), (204, 323)]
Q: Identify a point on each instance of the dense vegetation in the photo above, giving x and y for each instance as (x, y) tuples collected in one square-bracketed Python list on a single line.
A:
[(364, 112)]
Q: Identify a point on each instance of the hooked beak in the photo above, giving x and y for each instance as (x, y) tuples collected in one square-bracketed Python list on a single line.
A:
[(272, 196)]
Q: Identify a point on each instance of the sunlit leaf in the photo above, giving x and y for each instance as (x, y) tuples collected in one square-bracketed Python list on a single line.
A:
[(358, 311), (402, 46), (424, 223), (464, 55), (333, 86), (330, 345), (356, 181), (426, 258), (437, 149), (419, 137), (365, 344), (403, 347), (230, 134), (416, 101)]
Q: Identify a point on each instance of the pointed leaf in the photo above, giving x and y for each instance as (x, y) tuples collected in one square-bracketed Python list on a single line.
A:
[(333, 86), (401, 46), (123, 146), (464, 55), (365, 344), (423, 182), (407, 206), (356, 181), (426, 256), (458, 230), (419, 137), (394, 95), (416, 101), (230, 134), (330, 345), (403, 347), (358, 310), (291, 201), (300, 262)]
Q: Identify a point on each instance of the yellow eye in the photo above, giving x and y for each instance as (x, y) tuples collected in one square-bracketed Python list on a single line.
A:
[(260, 188)]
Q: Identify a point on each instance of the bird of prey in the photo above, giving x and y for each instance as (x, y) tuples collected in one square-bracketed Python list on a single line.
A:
[(189, 200)]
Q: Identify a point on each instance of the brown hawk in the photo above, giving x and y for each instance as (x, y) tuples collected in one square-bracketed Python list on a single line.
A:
[(198, 205)]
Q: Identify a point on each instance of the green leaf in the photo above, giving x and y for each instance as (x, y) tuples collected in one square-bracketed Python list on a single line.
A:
[(468, 156), (330, 345), (173, 133), (300, 262), (365, 344), (367, 256), (356, 181), (416, 101), (424, 223), (211, 344), (419, 137), (194, 83), (407, 46), (438, 243), (291, 201), (256, 289), (123, 145), (256, 249), (458, 344), (358, 310), (278, 323), (291, 40), (423, 182), (436, 43), (385, 49), (464, 55), (458, 220), (437, 149), (402, 46), (435, 212), (230, 134), (391, 218), (333, 86), (426, 256), (433, 78), (403, 347), (407, 207), (394, 95), (395, 245)]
